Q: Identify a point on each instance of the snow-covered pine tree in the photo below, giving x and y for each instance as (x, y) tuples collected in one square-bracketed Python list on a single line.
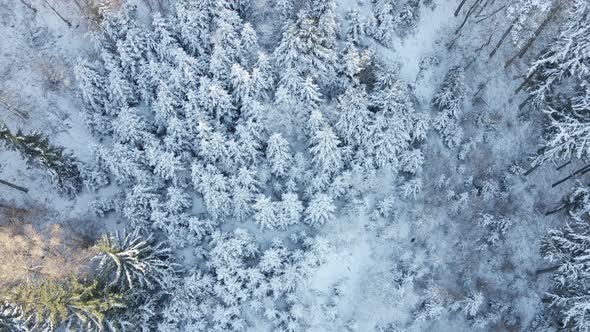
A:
[(320, 210), (449, 103), (37, 151), (384, 20), (92, 85), (567, 249), (133, 259), (558, 85), (266, 215), (305, 49), (278, 155), (214, 187), (194, 21), (245, 187), (326, 151), (354, 117), (291, 209)]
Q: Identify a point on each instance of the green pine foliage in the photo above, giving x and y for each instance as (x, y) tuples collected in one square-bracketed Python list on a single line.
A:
[(113, 294), (37, 151), (49, 304)]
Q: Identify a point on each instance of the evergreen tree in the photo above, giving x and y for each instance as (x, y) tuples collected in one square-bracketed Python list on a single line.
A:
[(36, 150), (92, 86), (305, 49), (383, 12), (49, 305), (278, 155), (449, 102), (284, 8), (291, 209), (356, 28), (132, 259), (245, 188), (262, 78), (226, 42), (354, 116), (266, 212), (558, 85), (325, 150), (320, 210), (194, 20), (213, 185), (163, 41), (131, 128), (568, 249), (249, 42)]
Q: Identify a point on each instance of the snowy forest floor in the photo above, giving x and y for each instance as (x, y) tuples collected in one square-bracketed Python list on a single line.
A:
[(425, 238)]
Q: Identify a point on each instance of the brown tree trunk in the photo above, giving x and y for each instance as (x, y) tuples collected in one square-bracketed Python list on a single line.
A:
[(531, 170), (12, 185), (58, 14), (469, 12), (504, 35), (526, 80), (28, 5), (490, 14), (574, 174), (479, 49), (459, 8), (547, 270), (523, 51)]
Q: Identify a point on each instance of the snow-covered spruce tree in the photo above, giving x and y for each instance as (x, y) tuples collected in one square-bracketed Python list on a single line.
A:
[(36, 150), (133, 259), (320, 210), (567, 249), (558, 86), (278, 155), (449, 103), (396, 124), (49, 305)]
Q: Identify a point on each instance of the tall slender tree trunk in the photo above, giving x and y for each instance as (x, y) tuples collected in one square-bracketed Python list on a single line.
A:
[(537, 33), (504, 35), (561, 208), (574, 174), (531, 170), (481, 9), (547, 270), (526, 80), (12, 185), (459, 8), (479, 50), (468, 15), (29, 5), (491, 14), (58, 14), (562, 166)]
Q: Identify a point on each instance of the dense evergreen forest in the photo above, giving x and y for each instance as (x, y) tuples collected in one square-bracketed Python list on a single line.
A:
[(295, 165)]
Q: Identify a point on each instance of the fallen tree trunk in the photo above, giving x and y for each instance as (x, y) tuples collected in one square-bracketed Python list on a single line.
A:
[(12, 185)]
